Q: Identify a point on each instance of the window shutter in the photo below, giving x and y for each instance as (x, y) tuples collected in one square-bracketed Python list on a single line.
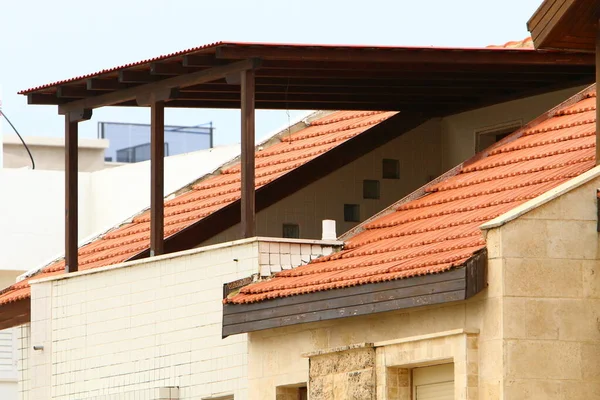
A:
[(8, 367), (434, 383)]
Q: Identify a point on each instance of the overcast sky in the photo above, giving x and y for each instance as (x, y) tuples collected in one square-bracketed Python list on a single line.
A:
[(43, 41)]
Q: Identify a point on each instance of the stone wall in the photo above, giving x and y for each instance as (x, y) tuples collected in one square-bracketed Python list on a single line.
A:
[(343, 374), (551, 305)]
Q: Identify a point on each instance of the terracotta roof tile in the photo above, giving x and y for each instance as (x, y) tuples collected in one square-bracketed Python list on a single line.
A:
[(213, 193), (440, 230)]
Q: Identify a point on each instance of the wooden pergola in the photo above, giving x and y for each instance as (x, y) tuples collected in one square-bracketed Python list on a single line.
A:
[(415, 81)]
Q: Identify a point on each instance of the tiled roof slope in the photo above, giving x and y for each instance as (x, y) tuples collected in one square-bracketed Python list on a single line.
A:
[(209, 195), (440, 230)]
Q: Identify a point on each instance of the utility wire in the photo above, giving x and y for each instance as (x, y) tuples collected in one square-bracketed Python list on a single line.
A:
[(20, 137)]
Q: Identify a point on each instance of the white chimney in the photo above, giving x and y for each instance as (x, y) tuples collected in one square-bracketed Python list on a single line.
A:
[(329, 230)]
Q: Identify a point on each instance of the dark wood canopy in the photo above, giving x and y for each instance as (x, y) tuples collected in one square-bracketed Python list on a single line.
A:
[(330, 77), (565, 25)]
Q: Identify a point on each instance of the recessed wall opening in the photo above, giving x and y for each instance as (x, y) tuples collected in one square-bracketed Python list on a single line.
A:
[(486, 137), (370, 189), (351, 212), (299, 392), (291, 231), (390, 169)]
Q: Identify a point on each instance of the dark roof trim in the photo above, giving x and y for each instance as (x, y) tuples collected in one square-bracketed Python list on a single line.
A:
[(565, 25), (18, 313), (316, 77), (457, 284)]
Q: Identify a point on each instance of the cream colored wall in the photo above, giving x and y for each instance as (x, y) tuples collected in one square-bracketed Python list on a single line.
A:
[(124, 332), (275, 356), (49, 153), (458, 131), (418, 152), (551, 305)]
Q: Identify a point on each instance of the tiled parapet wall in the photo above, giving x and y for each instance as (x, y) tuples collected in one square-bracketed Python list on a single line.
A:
[(277, 254)]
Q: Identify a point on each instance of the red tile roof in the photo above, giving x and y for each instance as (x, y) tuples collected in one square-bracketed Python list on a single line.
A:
[(213, 193), (440, 230)]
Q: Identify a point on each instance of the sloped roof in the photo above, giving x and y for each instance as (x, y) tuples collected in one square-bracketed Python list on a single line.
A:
[(212, 194), (440, 230)]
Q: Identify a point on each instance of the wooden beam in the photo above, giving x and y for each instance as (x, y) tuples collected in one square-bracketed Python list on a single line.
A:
[(157, 157), (44, 99), (248, 218), (105, 84), (131, 93), (72, 120), (129, 76), (408, 56), (168, 69), (195, 60), (74, 92)]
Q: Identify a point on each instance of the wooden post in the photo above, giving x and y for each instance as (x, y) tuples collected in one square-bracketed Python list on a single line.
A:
[(71, 195), (248, 217), (72, 120), (597, 94), (157, 160)]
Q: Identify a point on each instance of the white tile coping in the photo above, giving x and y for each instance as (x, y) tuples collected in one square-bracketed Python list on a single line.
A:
[(542, 199), (257, 239)]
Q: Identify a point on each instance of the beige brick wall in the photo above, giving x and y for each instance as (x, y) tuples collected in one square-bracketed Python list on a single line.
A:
[(126, 331), (551, 306)]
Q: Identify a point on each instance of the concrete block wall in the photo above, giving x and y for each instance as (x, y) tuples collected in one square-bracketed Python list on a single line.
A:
[(131, 330)]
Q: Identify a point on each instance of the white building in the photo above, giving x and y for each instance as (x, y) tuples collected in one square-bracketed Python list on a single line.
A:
[(32, 214)]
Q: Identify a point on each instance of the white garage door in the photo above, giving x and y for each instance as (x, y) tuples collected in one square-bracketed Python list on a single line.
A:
[(434, 383)]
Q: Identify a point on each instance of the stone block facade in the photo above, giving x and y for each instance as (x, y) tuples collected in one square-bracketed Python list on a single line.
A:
[(534, 333)]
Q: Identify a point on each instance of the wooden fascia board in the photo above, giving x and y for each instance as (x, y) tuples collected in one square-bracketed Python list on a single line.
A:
[(457, 284), (15, 313)]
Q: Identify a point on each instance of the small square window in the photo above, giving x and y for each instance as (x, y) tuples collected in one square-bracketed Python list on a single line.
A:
[(291, 231), (370, 189), (390, 168), (351, 212)]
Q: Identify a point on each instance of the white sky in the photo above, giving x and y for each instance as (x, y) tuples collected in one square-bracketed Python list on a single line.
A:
[(42, 41)]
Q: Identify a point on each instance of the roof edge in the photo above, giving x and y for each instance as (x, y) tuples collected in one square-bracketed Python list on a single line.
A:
[(543, 199)]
